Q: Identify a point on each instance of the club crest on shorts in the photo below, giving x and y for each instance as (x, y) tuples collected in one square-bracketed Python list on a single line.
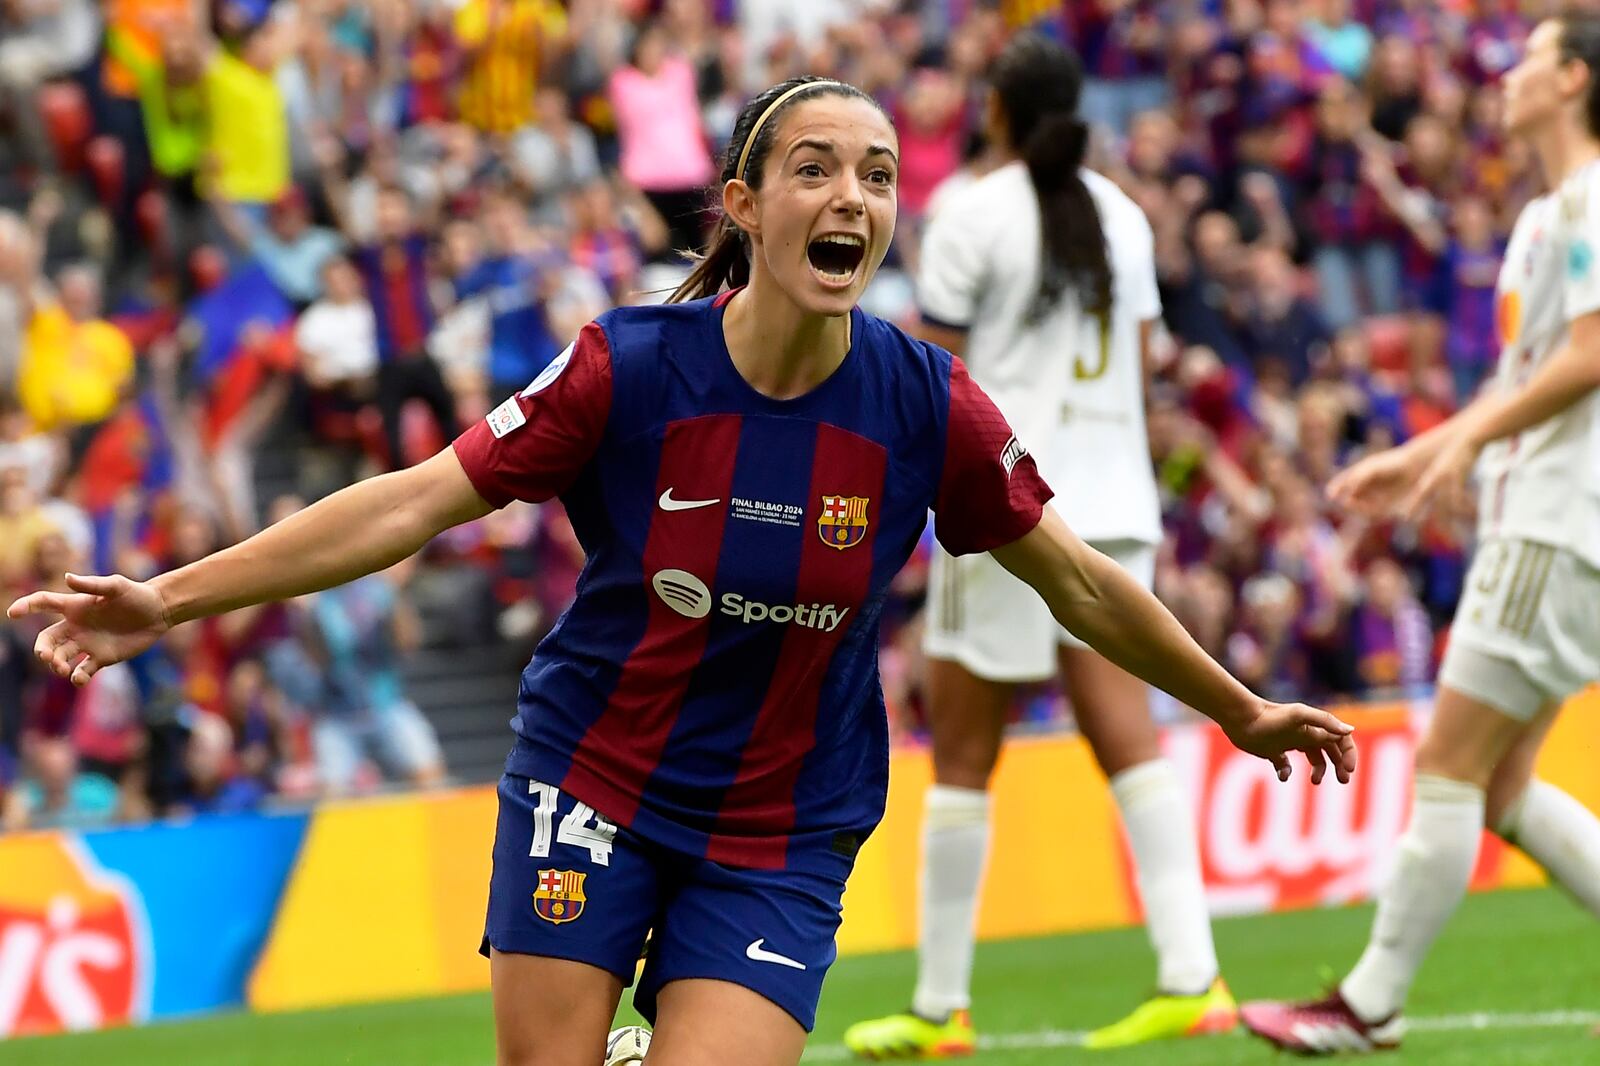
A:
[(559, 897), (843, 521)]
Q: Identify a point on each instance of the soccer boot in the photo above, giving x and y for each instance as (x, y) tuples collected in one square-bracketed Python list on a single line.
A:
[(1321, 1027), (626, 1046), (911, 1036), (1165, 1017)]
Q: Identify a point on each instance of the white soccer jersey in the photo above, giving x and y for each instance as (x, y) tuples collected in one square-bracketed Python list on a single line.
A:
[(1071, 385), (1543, 485)]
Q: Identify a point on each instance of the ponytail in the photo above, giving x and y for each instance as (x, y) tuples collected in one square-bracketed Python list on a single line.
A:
[(1071, 238), (1038, 83), (724, 262)]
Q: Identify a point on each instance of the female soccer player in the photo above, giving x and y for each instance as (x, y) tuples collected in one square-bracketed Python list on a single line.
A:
[(701, 746), (1041, 276), (1527, 630)]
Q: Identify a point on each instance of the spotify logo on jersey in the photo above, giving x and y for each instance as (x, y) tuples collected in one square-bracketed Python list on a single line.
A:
[(683, 592)]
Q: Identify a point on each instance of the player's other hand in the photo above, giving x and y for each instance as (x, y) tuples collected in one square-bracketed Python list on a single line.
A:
[(1279, 728), (103, 620), (1377, 485)]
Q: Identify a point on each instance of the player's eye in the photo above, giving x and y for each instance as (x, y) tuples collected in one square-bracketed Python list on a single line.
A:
[(880, 176), (811, 170)]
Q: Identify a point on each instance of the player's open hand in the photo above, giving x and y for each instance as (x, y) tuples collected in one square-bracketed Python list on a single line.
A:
[(1444, 477), (1279, 728), (104, 620), (1377, 485)]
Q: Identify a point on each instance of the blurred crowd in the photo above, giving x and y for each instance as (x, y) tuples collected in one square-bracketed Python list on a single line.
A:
[(251, 250)]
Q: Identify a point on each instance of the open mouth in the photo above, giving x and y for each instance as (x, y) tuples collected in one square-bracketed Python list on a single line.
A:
[(836, 256)]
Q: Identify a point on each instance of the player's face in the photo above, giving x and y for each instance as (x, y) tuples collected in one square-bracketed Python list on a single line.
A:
[(826, 210), (1533, 87)]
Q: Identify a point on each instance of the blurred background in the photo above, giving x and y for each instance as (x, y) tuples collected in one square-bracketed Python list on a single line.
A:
[(253, 250)]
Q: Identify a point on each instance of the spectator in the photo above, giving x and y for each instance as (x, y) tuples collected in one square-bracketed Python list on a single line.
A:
[(664, 150), (1471, 267), (506, 44), (611, 241), (556, 156), (362, 629), (396, 272), (1344, 42), (54, 793), (1283, 326), (213, 783), (1393, 638), (289, 248), (248, 143), (23, 524), (75, 364), (337, 339)]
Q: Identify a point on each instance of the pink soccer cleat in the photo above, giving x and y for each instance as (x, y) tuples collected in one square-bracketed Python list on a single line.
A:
[(1320, 1027)]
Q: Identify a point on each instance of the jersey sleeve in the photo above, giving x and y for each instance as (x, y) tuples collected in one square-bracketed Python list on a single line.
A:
[(990, 492), (1144, 295), (951, 270), (533, 446), (1580, 214)]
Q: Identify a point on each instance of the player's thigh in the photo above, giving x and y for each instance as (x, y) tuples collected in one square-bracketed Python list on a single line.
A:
[(1514, 773), (986, 631), (769, 932), (1466, 738), (702, 1022), (570, 896), (549, 1011), (1112, 706)]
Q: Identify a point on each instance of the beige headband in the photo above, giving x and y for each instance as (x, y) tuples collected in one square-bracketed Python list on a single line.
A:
[(783, 98)]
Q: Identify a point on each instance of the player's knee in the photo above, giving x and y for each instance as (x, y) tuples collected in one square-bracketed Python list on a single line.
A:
[(965, 763), (1438, 758)]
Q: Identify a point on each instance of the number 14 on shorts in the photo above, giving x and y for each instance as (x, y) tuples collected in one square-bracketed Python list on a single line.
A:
[(582, 827)]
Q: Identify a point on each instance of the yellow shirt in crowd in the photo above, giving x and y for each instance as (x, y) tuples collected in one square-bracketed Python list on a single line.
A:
[(249, 135), (71, 372), (505, 40)]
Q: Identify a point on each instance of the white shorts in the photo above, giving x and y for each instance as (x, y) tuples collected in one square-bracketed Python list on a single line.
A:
[(1527, 630), (994, 625)]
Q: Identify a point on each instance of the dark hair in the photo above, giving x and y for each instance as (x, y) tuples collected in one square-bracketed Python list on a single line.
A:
[(726, 258), (1580, 40), (1038, 83)]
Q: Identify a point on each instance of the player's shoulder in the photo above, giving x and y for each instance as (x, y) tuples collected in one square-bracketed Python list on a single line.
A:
[(642, 336), (900, 355), (1577, 196), (1118, 212), (978, 198)]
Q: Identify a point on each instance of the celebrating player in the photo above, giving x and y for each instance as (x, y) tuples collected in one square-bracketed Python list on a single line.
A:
[(701, 745), (1041, 275), (1527, 631)]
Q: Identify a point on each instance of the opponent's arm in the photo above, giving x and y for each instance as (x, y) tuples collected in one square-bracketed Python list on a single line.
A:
[(1100, 603)]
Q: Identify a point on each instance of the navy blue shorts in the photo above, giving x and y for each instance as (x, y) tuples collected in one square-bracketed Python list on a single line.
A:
[(568, 884)]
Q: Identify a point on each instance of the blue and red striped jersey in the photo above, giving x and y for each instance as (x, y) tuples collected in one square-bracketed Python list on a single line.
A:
[(714, 684)]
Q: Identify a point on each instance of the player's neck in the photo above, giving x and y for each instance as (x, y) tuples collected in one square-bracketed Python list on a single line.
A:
[(1564, 148), (781, 351)]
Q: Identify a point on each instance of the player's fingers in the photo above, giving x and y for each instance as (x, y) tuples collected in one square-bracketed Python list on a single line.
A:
[(64, 656), (92, 584), (38, 603), (1335, 754), (1319, 765), (1280, 763), (84, 671), (48, 638), (1323, 720)]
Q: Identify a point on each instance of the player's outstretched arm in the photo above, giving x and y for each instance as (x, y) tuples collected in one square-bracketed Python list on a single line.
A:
[(1101, 604), (366, 527)]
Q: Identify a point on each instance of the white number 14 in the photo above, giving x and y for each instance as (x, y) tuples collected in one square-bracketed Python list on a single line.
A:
[(575, 827)]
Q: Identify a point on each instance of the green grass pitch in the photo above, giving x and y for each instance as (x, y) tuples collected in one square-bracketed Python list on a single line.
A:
[(1528, 962)]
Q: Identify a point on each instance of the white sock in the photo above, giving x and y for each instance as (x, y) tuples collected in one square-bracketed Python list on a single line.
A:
[(1560, 834), (1435, 863), (1161, 832), (955, 843)]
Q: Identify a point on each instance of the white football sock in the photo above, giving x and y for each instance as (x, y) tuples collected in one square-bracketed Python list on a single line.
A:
[(1162, 835), (1560, 834), (955, 843), (1435, 863)]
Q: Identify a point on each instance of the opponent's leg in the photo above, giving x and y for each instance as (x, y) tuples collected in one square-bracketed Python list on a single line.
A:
[(550, 1012), (717, 1023), (1555, 830), (1455, 763), (1112, 711), (966, 720)]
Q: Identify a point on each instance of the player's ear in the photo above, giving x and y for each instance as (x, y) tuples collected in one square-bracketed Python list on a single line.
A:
[(739, 204)]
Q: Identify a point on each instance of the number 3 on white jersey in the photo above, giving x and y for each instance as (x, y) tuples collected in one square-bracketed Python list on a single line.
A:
[(1085, 372), (575, 828)]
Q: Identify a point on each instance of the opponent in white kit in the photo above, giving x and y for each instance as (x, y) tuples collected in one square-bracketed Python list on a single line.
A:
[(1064, 360), (1527, 630)]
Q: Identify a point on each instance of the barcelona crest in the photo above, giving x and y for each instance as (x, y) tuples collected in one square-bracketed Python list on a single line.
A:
[(560, 895), (843, 522)]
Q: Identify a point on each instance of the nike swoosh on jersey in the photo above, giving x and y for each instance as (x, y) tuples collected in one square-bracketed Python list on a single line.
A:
[(669, 504), (756, 952)]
